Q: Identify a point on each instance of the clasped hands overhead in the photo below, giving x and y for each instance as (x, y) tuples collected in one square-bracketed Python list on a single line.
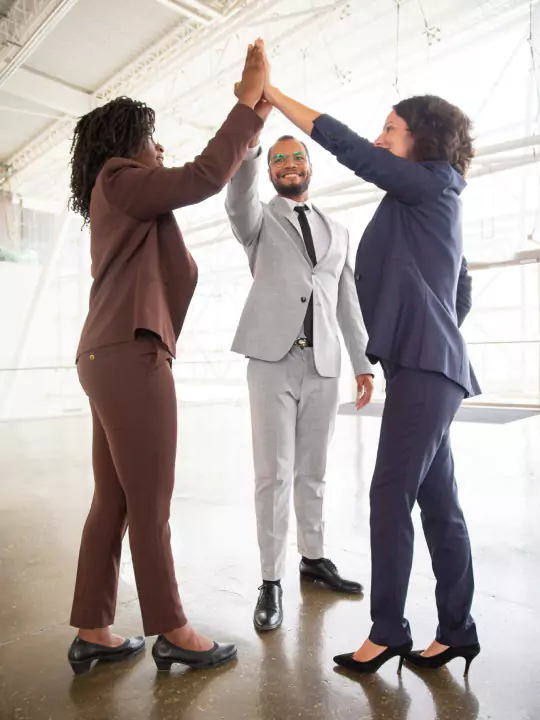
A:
[(255, 88)]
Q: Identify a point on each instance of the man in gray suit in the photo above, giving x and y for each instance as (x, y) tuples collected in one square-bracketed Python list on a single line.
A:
[(303, 287)]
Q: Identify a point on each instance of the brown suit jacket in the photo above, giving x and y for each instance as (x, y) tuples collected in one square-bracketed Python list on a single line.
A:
[(144, 276)]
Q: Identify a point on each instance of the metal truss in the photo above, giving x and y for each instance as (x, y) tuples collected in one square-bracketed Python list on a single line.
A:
[(305, 20), (158, 57), (179, 46), (182, 42), (31, 32), (20, 17)]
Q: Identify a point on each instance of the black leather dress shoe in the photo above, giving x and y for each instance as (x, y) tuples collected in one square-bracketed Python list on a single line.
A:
[(166, 653), (268, 613), (82, 654), (326, 572)]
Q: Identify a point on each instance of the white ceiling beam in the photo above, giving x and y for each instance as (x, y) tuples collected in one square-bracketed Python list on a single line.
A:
[(22, 54), (48, 92), (185, 11), (517, 144), (203, 8), (19, 20), (24, 111), (523, 257)]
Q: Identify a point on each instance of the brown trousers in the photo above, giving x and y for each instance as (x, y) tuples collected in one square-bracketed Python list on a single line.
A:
[(133, 402)]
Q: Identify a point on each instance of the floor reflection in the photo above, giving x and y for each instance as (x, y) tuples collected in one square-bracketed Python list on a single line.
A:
[(451, 698), (288, 674)]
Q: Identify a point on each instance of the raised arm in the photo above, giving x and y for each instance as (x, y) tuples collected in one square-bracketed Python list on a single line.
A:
[(243, 204), (410, 181), (144, 192)]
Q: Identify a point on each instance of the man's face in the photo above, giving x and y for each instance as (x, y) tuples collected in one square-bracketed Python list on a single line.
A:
[(290, 168)]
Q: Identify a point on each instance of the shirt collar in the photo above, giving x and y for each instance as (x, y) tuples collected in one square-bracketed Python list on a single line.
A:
[(292, 203)]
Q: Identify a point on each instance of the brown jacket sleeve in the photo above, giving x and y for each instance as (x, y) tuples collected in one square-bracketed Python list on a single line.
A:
[(144, 193)]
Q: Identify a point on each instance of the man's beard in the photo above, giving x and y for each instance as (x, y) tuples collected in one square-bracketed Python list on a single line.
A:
[(291, 191)]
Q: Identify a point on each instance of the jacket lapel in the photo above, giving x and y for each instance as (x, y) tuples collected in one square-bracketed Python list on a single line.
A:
[(287, 219), (331, 232)]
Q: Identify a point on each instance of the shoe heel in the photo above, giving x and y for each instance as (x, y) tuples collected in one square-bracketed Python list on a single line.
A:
[(163, 665), (81, 667), (468, 662), (401, 659)]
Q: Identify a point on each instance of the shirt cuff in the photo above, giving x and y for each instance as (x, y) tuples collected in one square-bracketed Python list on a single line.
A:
[(252, 153)]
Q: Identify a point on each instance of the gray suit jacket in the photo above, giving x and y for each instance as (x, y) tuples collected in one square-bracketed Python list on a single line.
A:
[(284, 278)]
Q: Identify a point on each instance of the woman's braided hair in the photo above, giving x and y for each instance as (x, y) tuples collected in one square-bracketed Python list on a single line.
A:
[(118, 129)]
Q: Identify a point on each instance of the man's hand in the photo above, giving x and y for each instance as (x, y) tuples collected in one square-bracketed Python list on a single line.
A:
[(262, 108), (250, 89), (364, 384), (269, 90), (300, 115)]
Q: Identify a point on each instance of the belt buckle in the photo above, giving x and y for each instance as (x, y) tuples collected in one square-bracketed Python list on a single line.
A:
[(302, 343)]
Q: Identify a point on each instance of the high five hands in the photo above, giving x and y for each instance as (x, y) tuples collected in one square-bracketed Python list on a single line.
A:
[(256, 78), (300, 115)]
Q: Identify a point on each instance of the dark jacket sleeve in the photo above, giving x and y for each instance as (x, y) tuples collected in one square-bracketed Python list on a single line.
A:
[(409, 181), (145, 193), (464, 293)]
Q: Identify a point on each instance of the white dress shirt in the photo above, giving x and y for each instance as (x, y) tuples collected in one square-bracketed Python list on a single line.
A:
[(319, 229)]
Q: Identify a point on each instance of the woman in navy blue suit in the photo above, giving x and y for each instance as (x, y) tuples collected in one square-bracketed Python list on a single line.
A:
[(409, 273)]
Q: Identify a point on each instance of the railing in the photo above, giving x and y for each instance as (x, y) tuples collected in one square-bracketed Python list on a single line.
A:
[(508, 371), (513, 377), (53, 390)]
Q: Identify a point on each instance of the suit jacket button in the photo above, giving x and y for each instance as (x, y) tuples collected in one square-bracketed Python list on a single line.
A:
[(357, 276), (303, 299)]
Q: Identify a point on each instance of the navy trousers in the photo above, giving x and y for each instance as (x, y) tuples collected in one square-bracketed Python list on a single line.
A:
[(415, 463)]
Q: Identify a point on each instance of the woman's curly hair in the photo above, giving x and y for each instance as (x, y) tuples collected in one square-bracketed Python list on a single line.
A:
[(441, 131), (118, 129)]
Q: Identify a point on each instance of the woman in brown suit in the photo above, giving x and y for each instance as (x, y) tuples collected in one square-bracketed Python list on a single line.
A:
[(144, 278)]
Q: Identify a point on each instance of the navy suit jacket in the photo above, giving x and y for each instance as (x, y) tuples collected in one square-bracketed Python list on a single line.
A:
[(409, 262)]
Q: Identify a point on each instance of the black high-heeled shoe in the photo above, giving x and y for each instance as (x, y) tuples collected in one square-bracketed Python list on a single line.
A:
[(467, 652), (165, 653), (371, 666), (82, 654)]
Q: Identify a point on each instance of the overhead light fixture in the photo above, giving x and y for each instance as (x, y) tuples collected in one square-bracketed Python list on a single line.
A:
[(191, 9)]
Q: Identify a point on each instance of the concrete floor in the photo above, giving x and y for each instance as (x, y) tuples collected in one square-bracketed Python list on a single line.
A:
[(45, 490)]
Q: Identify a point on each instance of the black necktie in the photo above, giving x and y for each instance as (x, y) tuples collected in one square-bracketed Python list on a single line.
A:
[(310, 247)]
